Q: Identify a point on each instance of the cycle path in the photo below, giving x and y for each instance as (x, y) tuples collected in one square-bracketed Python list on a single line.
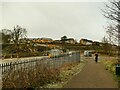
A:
[(93, 75)]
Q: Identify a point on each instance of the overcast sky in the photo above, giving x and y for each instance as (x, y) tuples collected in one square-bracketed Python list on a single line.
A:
[(55, 19)]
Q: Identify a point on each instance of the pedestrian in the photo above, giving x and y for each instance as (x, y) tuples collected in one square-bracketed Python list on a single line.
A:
[(96, 57)]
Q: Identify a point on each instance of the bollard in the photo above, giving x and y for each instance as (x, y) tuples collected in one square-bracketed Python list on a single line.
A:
[(118, 69)]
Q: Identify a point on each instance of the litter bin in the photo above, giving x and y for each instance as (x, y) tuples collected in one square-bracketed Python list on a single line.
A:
[(118, 69)]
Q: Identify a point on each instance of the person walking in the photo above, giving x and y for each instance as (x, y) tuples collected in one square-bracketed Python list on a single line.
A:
[(96, 57)]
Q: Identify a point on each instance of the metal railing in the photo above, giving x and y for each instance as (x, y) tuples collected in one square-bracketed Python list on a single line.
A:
[(56, 62)]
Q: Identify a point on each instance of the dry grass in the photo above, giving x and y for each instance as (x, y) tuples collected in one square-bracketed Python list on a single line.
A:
[(41, 77), (110, 65), (66, 73), (34, 78)]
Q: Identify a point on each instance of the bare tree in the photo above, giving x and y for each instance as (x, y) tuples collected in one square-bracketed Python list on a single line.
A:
[(17, 34), (106, 47), (5, 35), (112, 12), (64, 38)]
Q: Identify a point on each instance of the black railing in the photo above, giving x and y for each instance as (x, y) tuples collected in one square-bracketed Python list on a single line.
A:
[(49, 62)]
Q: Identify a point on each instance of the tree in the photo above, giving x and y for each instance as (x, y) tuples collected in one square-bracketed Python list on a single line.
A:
[(104, 40), (64, 38), (112, 12), (15, 37), (5, 35), (17, 34), (106, 46)]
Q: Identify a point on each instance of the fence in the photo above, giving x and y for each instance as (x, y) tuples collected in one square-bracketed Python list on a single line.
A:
[(52, 63), (49, 62)]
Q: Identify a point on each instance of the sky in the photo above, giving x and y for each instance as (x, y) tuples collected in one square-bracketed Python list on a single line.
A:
[(1, 15), (55, 19)]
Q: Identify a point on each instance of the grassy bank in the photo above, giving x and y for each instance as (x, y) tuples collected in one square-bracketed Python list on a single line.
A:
[(110, 65), (41, 77), (67, 72)]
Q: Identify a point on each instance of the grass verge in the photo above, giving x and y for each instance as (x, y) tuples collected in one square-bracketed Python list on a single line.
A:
[(110, 65), (41, 77), (67, 72)]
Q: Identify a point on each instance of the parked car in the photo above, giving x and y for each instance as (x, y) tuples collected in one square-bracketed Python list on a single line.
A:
[(55, 53), (87, 53)]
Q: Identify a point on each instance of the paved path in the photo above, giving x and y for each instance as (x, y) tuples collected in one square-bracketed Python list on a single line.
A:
[(93, 75)]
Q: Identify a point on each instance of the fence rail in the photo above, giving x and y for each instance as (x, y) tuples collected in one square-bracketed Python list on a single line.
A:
[(49, 62), (15, 68)]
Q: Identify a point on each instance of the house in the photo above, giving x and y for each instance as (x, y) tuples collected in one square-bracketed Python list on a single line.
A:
[(35, 40), (97, 43), (70, 40), (46, 40), (57, 41), (86, 42), (39, 40)]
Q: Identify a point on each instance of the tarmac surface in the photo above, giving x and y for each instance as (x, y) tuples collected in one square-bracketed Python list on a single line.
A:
[(93, 75)]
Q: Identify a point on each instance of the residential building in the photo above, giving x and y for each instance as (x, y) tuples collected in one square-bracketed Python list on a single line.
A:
[(46, 40), (57, 41), (86, 42), (97, 43), (39, 40), (70, 40)]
